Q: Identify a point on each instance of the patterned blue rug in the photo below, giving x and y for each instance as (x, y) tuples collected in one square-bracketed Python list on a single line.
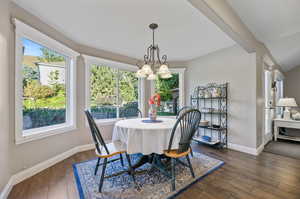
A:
[(153, 185)]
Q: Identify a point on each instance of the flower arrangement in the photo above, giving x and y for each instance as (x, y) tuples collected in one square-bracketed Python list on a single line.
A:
[(155, 99), (154, 102)]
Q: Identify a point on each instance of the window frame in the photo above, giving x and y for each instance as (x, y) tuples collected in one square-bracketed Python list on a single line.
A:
[(23, 30), (89, 61), (181, 72)]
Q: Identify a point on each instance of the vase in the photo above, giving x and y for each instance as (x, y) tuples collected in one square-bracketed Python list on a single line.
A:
[(153, 112)]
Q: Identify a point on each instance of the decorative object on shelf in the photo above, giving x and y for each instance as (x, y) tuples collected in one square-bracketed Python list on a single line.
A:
[(206, 138), (151, 67), (202, 92), (154, 103), (287, 103), (204, 123), (216, 92), (207, 93), (296, 116), (212, 100)]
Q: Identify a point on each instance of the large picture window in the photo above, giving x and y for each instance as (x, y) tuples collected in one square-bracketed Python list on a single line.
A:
[(44, 85), (112, 87)]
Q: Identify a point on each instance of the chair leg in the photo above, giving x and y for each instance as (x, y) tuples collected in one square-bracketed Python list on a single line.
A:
[(102, 174), (173, 174), (97, 166), (190, 165), (192, 154), (131, 170), (121, 159)]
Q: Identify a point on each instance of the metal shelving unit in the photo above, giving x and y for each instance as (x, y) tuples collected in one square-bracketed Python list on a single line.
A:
[(212, 101)]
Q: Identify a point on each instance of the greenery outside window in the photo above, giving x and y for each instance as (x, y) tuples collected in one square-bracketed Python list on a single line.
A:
[(111, 87), (171, 91), (168, 89), (44, 85)]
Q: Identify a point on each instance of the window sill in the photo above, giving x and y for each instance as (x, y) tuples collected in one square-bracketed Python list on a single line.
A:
[(40, 133)]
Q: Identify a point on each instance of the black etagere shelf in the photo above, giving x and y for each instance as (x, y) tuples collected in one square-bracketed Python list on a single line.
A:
[(212, 101)]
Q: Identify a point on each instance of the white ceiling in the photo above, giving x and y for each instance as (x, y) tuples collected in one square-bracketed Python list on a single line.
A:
[(275, 23), (122, 26)]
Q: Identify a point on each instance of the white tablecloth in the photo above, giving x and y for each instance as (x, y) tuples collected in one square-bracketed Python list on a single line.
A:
[(146, 138)]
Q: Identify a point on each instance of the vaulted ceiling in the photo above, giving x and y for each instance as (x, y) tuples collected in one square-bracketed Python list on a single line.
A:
[(275, 23), (122, 26)]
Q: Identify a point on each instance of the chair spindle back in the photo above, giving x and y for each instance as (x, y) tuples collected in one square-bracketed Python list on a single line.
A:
[(97, 137), (188, 123), (183, 110)]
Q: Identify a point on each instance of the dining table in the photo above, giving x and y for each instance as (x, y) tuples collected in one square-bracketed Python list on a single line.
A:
[(146, 137)]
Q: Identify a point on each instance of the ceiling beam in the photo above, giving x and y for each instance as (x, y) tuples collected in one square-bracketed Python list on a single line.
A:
[(221, 13)]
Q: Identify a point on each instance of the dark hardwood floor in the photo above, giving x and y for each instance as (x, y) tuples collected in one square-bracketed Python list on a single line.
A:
[(267, 176)]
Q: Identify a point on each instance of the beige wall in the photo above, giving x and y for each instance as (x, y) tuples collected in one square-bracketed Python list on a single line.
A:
[(4, 90), (292, 84), (238, 68), (15, 158)]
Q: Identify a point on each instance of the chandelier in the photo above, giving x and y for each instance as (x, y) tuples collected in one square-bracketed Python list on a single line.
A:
[(153, 67)]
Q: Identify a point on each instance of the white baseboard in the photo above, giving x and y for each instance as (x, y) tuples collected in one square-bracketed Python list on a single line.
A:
[(7, 189), (27, 173), (260, 149), (244, 149)]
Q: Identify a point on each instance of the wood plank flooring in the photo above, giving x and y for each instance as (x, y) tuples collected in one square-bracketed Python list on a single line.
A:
[(267, 176)]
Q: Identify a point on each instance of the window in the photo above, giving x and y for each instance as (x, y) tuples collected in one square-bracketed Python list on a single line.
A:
[(111, 87), (44, 85), (171, 92)]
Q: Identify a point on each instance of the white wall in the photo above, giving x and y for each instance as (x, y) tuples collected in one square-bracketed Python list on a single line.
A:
[(238, 68), (291, 84), (4, 90)]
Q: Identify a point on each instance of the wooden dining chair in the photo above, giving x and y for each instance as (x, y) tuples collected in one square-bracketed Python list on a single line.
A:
[(130, 112), (187, 124), (180, 113), (107, 150), (183, 110)]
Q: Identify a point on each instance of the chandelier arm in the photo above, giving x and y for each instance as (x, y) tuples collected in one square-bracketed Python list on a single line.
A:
[(157, 54), (147, 56), (138, 65), (164, 59)]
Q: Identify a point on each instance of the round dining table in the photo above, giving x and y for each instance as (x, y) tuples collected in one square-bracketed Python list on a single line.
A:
[(147, 138)]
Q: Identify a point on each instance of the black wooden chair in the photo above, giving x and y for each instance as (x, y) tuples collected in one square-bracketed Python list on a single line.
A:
[(130, 112), (187, 124), (107, 150), (183, 110), (180, 113)]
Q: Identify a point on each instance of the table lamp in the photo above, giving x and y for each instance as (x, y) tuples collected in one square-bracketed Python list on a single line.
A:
[(287, 103)]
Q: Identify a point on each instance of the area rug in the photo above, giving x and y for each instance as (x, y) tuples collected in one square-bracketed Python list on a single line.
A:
[(152, 185)]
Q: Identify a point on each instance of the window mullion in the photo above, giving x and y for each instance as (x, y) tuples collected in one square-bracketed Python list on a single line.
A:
[(118, 93)]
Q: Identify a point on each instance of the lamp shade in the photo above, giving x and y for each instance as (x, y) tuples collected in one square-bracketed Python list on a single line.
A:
[(152, 77), (166, 76), (147, 69), (140, 74), (287, 102), (163, 69)]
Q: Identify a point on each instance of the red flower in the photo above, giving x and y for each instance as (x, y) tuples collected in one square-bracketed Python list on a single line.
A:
[(155, 100)]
